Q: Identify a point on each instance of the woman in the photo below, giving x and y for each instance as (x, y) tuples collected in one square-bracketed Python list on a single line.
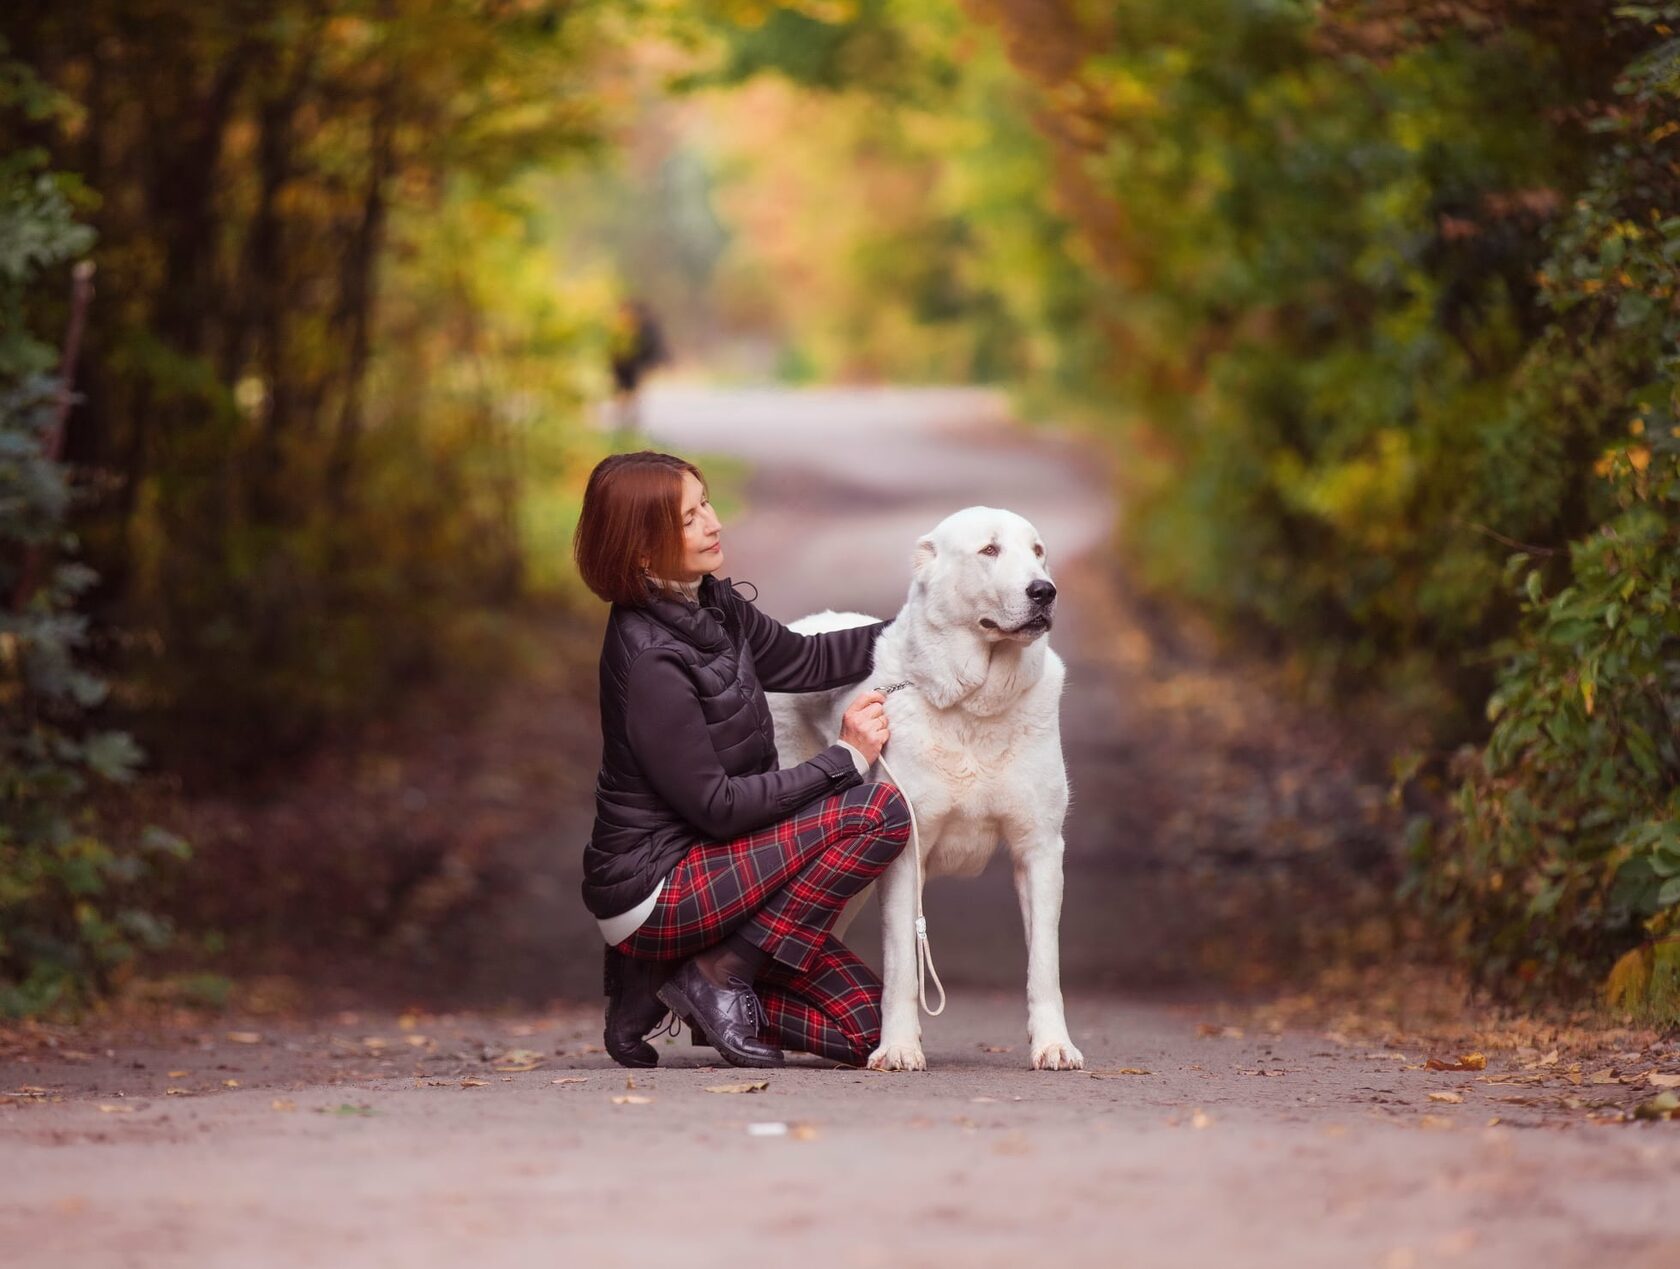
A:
[(715, 876)]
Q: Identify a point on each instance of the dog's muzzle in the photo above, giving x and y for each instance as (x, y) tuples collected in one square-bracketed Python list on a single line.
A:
[(1039, 623)]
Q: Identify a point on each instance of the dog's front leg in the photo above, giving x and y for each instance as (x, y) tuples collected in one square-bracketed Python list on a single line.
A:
[(1038, 885), (901, 1029)]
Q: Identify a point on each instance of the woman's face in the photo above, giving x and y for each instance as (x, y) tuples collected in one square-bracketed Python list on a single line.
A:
[(702, 532)]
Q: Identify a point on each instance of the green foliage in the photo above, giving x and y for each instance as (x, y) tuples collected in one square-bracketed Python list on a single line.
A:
[(834, 48), (71, 901), (325, 368), (1568, 843), (937, 258)]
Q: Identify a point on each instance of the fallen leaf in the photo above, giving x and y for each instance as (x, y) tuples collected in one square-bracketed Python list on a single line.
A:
[(1606, 1076), (1209, 1029), (230, 1083), (748, 1086), (1467, 1062), (347, 1109), (179, 1075), (282, 1103), (802, 1132), (631, 1099), (1662, 1106), (110, 1109), (1435, 1122), (997, 1048), (992, 1100), (1660, 1079), (1200, 1119), (176, 1092), (516, 1060), (1114, 1073), (570, 1079), (469, 1082), (1550, 1059), (1454, 1098), (244, 1037)]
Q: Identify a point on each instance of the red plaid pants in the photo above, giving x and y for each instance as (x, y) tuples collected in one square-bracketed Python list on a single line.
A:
[(783, 887)]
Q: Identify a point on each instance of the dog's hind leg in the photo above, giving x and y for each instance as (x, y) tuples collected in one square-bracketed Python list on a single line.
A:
[(1038, 885)]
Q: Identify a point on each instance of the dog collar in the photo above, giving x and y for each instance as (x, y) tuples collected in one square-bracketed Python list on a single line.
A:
[(893, 687)]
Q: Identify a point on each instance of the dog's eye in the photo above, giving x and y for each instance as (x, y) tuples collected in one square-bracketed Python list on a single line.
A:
[(1038, 551), (991, 548)]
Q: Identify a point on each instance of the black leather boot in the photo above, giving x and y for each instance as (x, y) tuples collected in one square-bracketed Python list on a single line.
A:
[(729, 1015), (633, 1008)]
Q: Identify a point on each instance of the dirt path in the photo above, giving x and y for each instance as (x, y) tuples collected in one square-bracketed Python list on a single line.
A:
[(1202, 1134)]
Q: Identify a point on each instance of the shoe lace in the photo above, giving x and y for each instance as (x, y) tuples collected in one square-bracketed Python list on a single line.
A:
[(751, 1005)]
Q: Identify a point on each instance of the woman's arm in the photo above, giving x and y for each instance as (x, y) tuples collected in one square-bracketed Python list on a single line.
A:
[(791, 662), (667, 733)]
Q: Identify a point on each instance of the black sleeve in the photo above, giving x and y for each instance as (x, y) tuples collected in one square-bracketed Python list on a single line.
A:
[(666, 731), (791, 662)]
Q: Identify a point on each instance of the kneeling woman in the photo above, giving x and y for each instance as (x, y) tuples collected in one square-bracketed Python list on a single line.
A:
[(715, 876)]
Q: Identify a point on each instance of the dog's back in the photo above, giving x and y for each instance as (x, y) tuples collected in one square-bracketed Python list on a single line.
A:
[(805, 720)]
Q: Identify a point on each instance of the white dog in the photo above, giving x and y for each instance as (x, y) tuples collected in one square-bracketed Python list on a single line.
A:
[(975, 746)]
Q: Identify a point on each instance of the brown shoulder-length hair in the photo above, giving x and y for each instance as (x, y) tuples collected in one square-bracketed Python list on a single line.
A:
[(632, 511)]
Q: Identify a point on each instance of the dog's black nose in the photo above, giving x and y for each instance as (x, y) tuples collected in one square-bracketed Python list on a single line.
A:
[(1041, 592)]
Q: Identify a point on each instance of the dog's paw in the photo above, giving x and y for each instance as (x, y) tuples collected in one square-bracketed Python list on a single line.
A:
[(1057, 1055), (898, 1057)]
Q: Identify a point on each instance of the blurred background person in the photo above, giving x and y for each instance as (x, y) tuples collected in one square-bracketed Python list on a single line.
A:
[(635, 347)]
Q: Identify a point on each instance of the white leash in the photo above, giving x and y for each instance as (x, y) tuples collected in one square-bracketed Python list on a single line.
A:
[(924, 953)]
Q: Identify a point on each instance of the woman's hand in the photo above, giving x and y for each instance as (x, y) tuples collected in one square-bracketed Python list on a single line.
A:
[(865, 724)]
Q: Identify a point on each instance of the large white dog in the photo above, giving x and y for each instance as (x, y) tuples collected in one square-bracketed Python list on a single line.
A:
[(975, 745)]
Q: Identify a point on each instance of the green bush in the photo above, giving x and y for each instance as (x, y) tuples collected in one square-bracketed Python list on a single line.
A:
[(1568, 837), (70, 908), (1567, 846)]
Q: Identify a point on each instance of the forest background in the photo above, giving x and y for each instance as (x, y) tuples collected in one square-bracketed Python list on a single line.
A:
[(1374, 299)]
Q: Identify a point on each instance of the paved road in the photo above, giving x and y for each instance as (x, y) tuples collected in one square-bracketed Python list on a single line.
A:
[(373, 1139)]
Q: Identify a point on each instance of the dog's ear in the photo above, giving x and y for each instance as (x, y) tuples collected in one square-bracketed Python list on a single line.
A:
[(923, 555)]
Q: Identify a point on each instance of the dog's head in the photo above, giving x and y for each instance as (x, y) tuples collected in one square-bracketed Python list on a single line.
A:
[(986, 569)]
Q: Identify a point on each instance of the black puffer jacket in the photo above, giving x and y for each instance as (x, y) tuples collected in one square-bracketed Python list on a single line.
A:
[(688, 748)]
